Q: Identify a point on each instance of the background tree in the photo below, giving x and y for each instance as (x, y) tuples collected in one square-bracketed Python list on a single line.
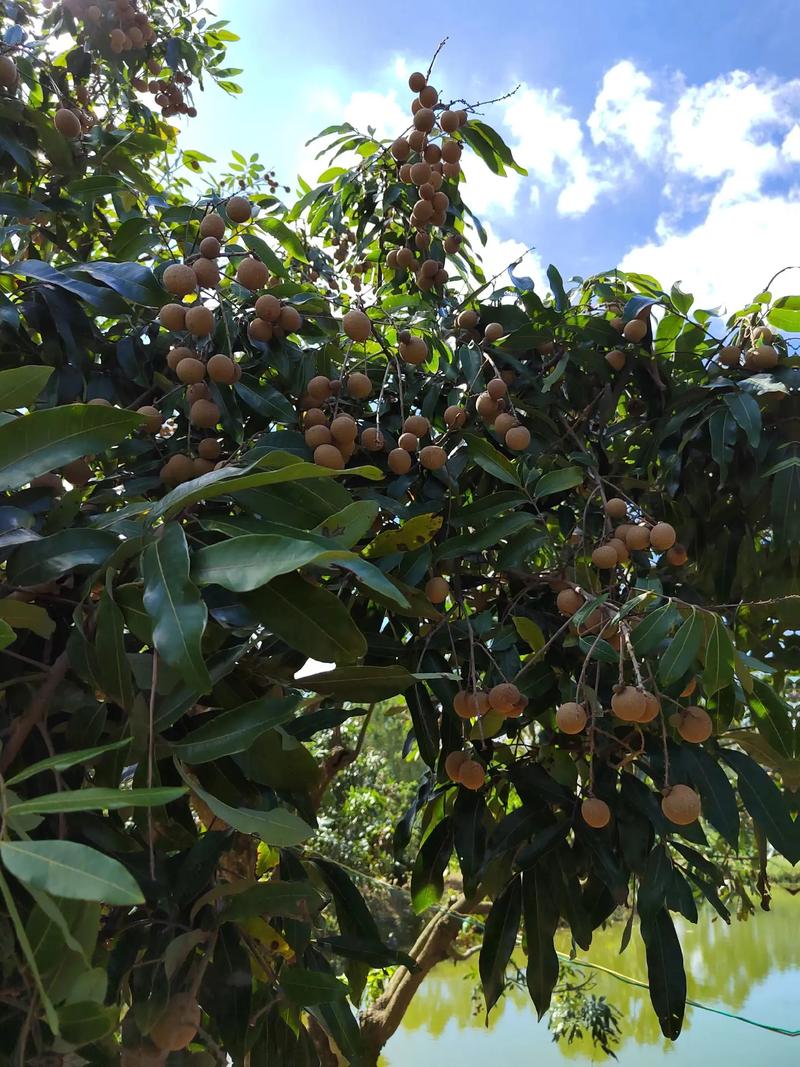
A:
[(239, 435)]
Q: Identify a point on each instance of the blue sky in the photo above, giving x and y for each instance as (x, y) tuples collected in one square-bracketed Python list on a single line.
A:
[(663, 136)]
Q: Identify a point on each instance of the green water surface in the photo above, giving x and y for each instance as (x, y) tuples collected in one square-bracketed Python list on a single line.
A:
[(750, 968)]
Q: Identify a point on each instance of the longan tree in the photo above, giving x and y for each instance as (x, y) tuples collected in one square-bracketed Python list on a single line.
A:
[(239, 435)]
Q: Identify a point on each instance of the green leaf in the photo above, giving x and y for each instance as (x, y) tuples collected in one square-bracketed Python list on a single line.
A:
[(288, 238), (229, 732), (427, 876), (278, 827), (367, 683), (65, 760), (722, 429), (530, 632), (43, 441), (720, 807), (773, 719), (51, 557), (68, 869), (308, 618), (785, 314), (85, 1022), (559, 481), (719, 658), (133, 281), (540, 908), (246, 563), (666, 976), (682, 651), (412, 535), (499, 940), (744, 408), (25, 616), (297, 899), (265, 400), (96, 800), (348, 526), (766, 805), (654, 627), (113, 669), (491, 460), (485, 536), (174, 604), (304, 987), (20, 386)]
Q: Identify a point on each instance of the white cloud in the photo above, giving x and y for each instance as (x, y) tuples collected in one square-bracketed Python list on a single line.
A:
[(790, 149), (625, 113), (729, 257), (499, 253)]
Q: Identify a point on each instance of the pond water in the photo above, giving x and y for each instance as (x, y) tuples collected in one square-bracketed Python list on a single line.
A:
[(750, 968)]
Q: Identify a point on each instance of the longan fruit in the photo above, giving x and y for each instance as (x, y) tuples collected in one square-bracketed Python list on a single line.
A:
[(635, 331), (8, 72), (117, 40), (605, 557), (432, 154), (503, 697), (142, 1056), (417, 424), (662, 536), (452, 170), (172, 317), (78, 472), (202, 466), (179, 279), (209, 448), (359, 386), (571, 717), (417, 139), (620, 548), (432, 457), (317, 435), (452, 243), (405, 258), (486, 407), (420, 173), (409, 442), (204, 414), (652, 707), (616, 359), (344, 429), (100, 401), (67, 123), (405, 172), (210, 247), (239, 209), (449, 121), (399, 461), (414, 351), (424, 120), (153, 418), (290, 319), (497, 389), (729, 355), (391, 259), (259, 330), (677, 555), (400, 150), (315, 416), (637, 538), (177, 1027), (629, 704), (428, 96), (252, 274), (417, 81), (372, 439), (357, 325), (518, 438), (681, 805), (694, 724), (200, 321), (190, 370), (453, 764), (212, 225), (504, 422), (493, 331), (319, 389), (762, 357), (595, 813), (329, 456), (569, 601), (616, 508), (437, 590), (621, 531), (197, 391), (178, 468), (454, 417), (268, 307), (206, 272), (48, 481), (222, 369), (451, 152), (471, 775), (422, 212)]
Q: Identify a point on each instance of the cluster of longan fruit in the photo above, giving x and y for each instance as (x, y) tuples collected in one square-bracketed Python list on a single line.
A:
[(461, 768), (636, 537), (569, 601), (634, 332), (679, 803), (116, 23), (169, 95), (183, 279), (174, 1030), (504, 697), (425, 164), (760, 356)]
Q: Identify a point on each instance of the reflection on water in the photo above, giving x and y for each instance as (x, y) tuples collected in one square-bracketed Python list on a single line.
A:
[(751, 968)]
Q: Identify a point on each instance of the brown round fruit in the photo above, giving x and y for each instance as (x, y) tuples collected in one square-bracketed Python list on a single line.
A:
[(210, 247), (637, 538), (206, 272), (652, 707), (472, 775), (212, 225), (359, 386), (190, 370), (433, 457), (616, 508), (504, 422), (497, 389), (319, 389), (172, 317), (416, 424), (409, 442), (629, 704), (239, 209), (620, 548), (605, 557), (177, 469), (453, 764), (486, 407), (372, 439), (78, 472), (177, 1026), (468, 319), (694, 724), (329, 456), (290, 319), (260, 330), (414, 351), (356, 325), (197, 391), (222, 369), (504, 697), (268, 307), (492, 332), (400, 150), (454, 417), (417, 81), (569, 601), (204, 414), (729, 355), (449, 121), (8, 72), (437, 590), (571, 718), (662, 536), (677, 555), (344, 429), (635, 331), (681, 805), (209, 448), (518, 438), (595, 812), (179, 279), (762, 357), (428, 96), (67, 123), (200, 321), (399, 461), (425, 120), (316, 436), (153, 419), (616, 359), (252, 274)]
